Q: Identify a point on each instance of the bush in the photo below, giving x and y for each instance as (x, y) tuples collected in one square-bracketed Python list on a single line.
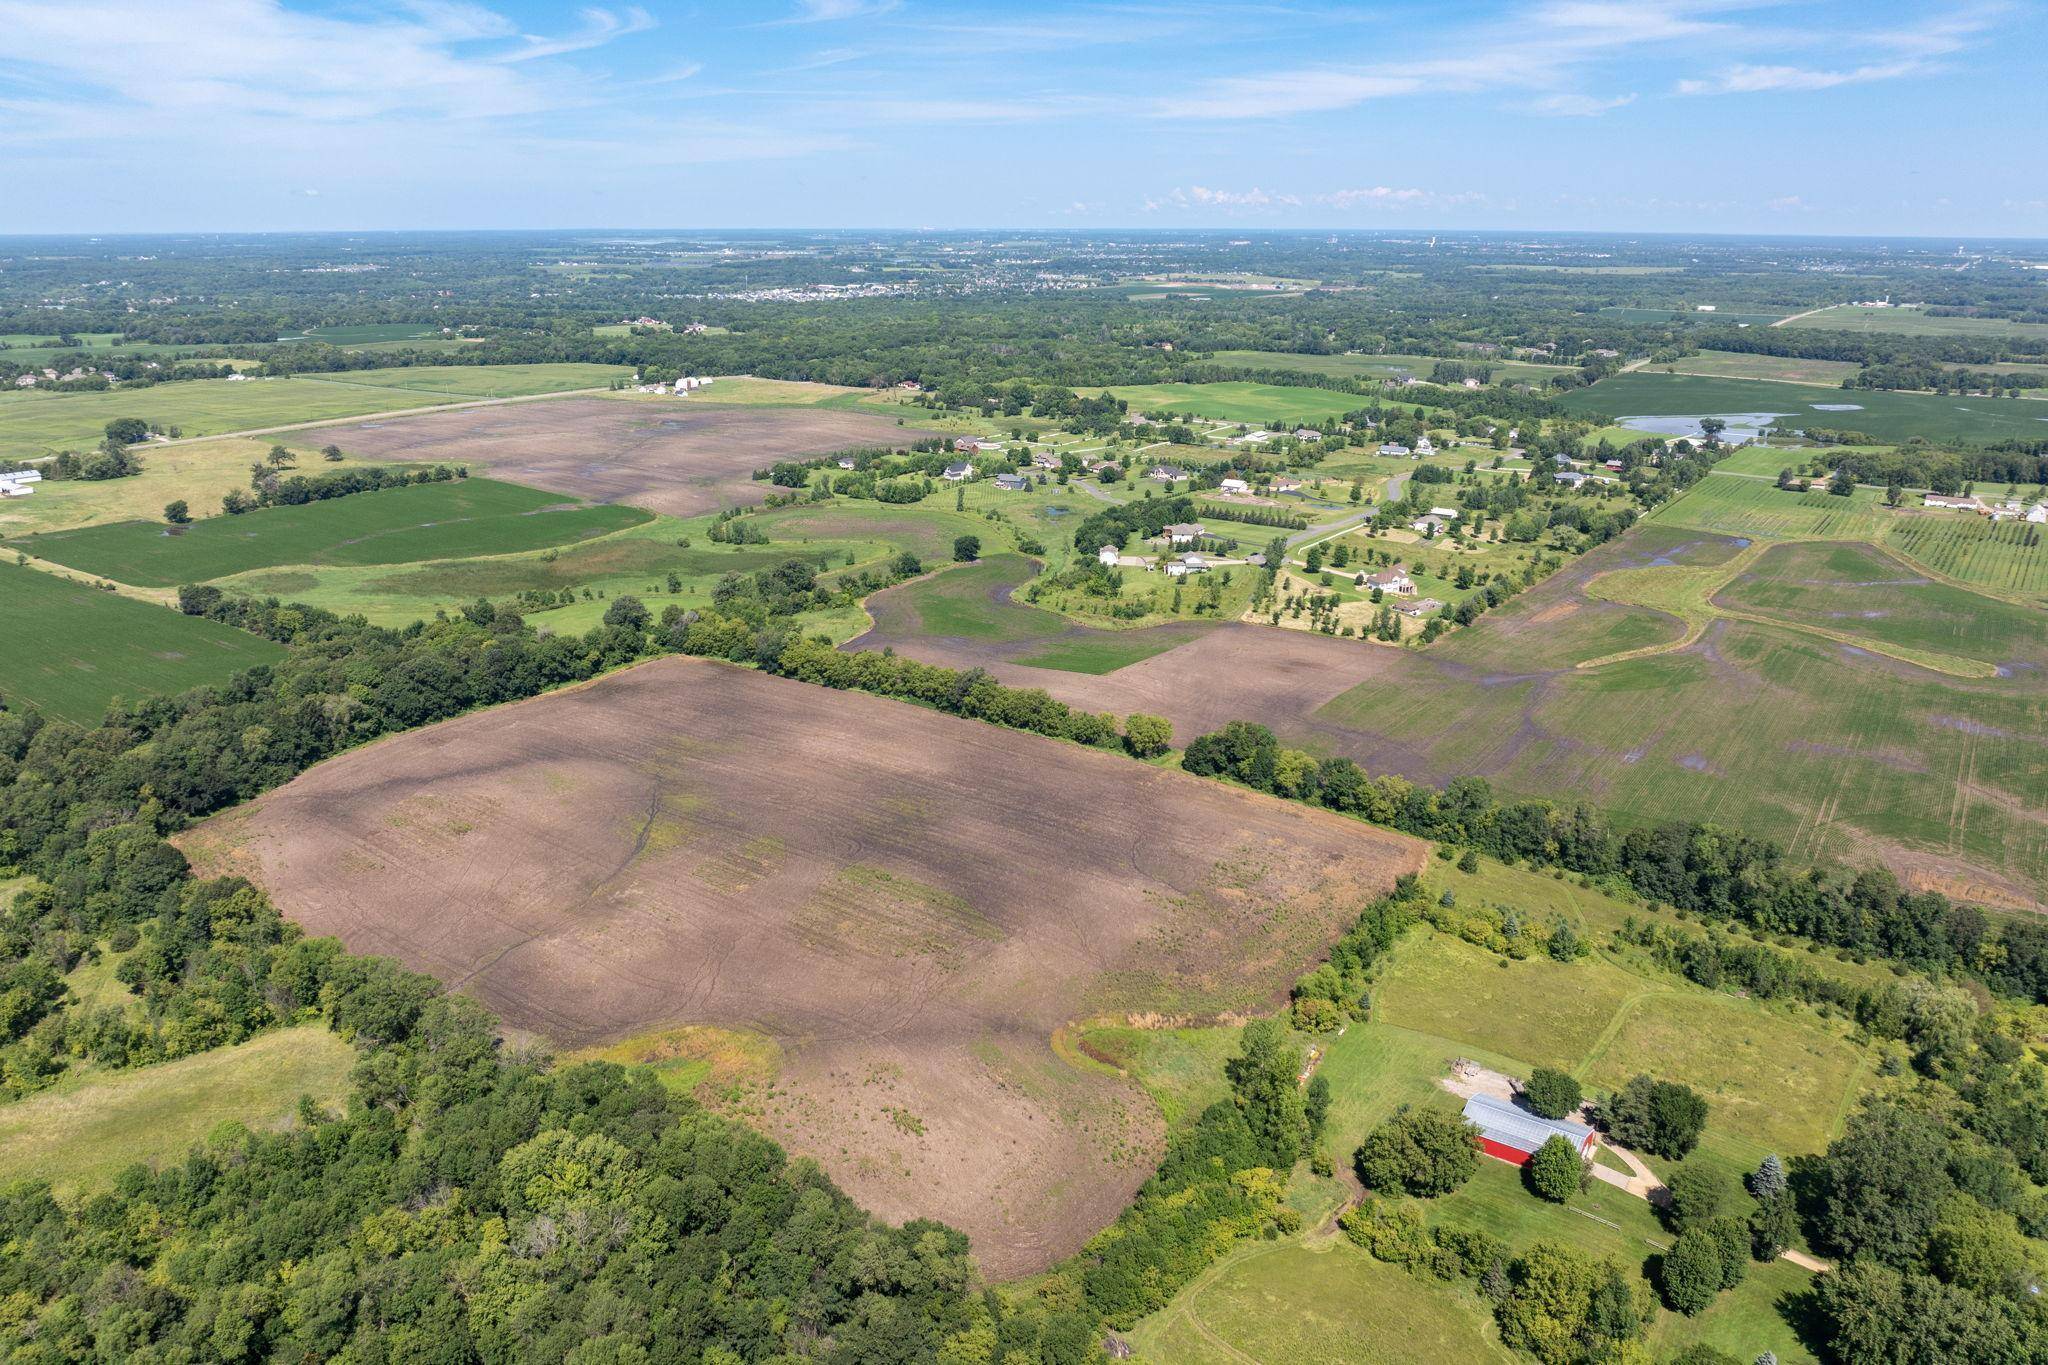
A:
[(1423, 1151), (1552, 1093), (1556, 1172)]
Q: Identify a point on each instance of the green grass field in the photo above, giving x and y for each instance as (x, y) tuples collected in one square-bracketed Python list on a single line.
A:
[(1885, 415), (1240, 402), (1382, 366), (80, 1134), (1719, 316), (363, 332), (71, 650), (452, 520), (32, 422), (970, 602), (1104, 651), (1914, 322)]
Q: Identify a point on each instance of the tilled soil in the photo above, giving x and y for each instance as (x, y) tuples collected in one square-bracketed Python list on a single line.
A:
[(682, 459), (912, 905)]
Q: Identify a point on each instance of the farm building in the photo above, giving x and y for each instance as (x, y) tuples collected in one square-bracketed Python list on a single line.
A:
[(1447, 513), (1252, 437), (1393, 448), (1233, 484), (1513, 1135), (1952, 504), (1287, 485), (1420, 607)]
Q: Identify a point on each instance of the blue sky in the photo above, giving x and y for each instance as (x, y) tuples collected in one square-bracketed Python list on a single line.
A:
[(1808, 116)]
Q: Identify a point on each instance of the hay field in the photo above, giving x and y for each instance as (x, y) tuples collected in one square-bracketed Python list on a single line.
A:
[(909, 905)]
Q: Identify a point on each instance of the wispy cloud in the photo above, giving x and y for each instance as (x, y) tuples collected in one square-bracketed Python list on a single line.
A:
[(832, 11), (1893, 54), (1571, 104), (1262, 201), (600, 26)]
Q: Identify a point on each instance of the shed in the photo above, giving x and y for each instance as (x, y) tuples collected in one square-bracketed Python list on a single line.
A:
[(1513, 1134)]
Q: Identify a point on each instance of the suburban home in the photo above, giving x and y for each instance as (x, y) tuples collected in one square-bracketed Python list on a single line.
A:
[(958, 471), (963, 443), (1287, 485), (1393, 448), (1614, 465), (1953, 504), (1166, 473), (1101, 465), (1570, 478), (1423, 447), (910, 386), (1429, 526), (1420, 607), (1233, 484), (1393, 581), (1184, 533), (1012, 483), (1044, 459), (1513, 1135), (1185, 565), (1307, 434), (1108, 556), (1447, 513)]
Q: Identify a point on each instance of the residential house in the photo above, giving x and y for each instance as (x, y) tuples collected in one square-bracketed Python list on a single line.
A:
[(1393, 448), (1393, 581), (846, 461), (1420, 607), (1233, 484), (1307, 434), (1470, 383), (1166, 473), (1285, 485), (958, 472), (1423, 447), (1012, 483), (1044, 459), (1429, 526), (1185, 565), (1183, 533), (1570, 478), (964, 443)]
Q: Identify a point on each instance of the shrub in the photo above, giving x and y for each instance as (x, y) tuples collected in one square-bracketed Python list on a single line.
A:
[(1552, 1093)]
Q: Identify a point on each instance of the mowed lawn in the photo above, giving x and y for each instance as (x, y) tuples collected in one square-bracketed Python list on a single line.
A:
[(1883, 414), (34, 422), (391, 526), (71, 650), (1240, 402), (81, 1134)]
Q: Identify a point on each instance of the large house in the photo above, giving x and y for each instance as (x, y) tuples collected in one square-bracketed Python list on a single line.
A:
[(1307, 434), (1423, 447), (1012, 483), (1393, 581), (1513, 1135), (1184, 533), (958, 472), (1392, 448), (1166, 473), (1045, 459), (1570, 478)]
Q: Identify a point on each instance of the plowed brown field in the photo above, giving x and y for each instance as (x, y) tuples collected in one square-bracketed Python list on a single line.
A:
[(910, 904), (684, 460)]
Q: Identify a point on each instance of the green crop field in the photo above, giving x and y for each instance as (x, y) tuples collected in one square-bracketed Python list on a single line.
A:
[(1848, 317), (1382, 366), (1885, 415), (81, 1134), (392, 526), (1239, 402), (33, 422), (1743, 365), (1104, 651), (71, 649), (1689, 315)]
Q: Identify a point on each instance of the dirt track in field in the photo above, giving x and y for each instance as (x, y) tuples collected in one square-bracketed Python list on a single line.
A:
[(683, 459), (912, 905)]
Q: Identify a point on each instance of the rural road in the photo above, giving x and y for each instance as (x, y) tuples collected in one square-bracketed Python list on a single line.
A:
[(375, 416)]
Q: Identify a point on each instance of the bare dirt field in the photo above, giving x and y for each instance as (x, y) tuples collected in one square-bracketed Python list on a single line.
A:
[(910, 905), (684, 460)]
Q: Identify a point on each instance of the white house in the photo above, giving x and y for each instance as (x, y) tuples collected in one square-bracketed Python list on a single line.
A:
[(1470, 383), (958, 472), (1423, 447), (1234, 485), (1252, 437), (1428, 526), (1166, 473), (1392, 581), (846, 462), (1108, 556), (1183, 533), (1045, 459), (2038, 513), (1185, 565), (1420, 607)]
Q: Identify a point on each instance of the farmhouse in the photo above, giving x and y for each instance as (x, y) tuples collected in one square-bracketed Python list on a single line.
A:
[(1423, 447), (1307, 434), (1184, 533), (1045, 459), (958, 472), (1570, 478), (1513, 1135), (1012, 483), (1420, 607), (1394, 581), (1287, 485)]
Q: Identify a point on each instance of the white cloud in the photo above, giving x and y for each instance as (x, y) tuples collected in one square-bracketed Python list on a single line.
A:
[(600, 26), (830, 11), (1257, 200), (1569, 105), (1752, 80)]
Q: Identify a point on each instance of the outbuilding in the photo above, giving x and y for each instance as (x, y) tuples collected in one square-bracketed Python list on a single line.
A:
[(1513, 1134)]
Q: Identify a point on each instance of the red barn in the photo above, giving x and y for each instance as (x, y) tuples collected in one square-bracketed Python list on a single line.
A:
[(1513, 1134)]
